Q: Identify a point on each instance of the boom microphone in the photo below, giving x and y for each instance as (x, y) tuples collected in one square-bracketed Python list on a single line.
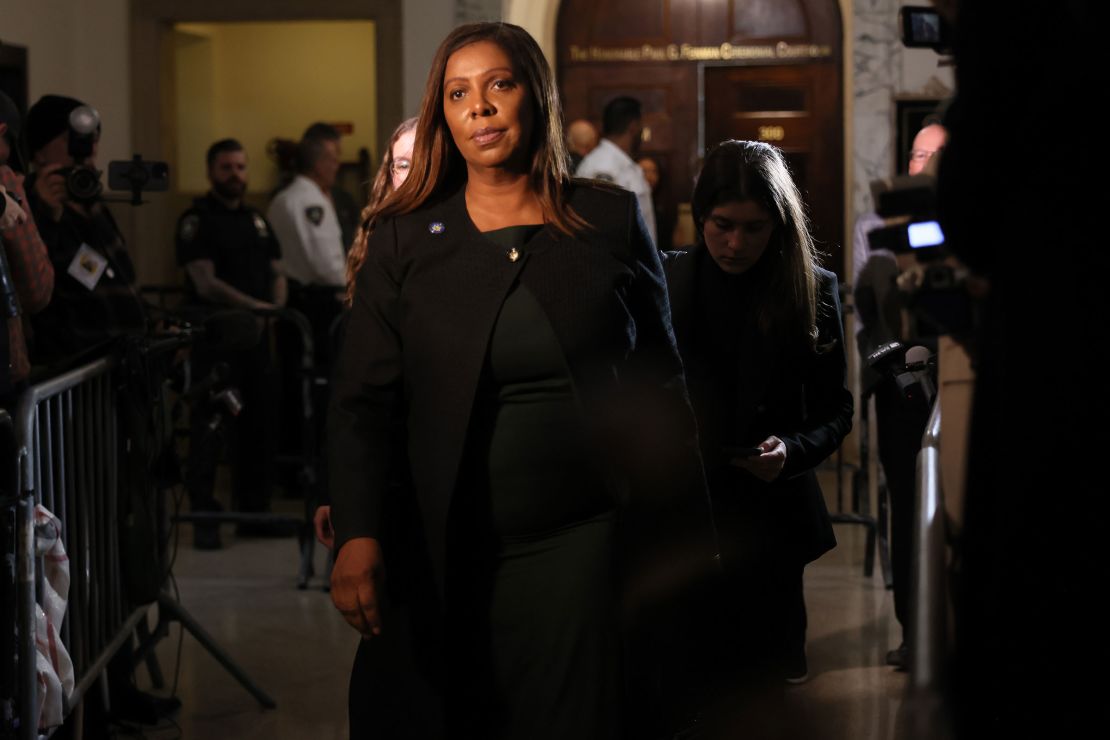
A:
[(917, 367)]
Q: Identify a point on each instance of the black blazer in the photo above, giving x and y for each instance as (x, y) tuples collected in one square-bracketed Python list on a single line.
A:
[(415, 345), (799, 396)]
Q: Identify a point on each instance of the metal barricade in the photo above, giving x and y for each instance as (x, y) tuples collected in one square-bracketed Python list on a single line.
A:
[(305, 460), (929, 619), (858, 511), (66, 429), (9, 509)]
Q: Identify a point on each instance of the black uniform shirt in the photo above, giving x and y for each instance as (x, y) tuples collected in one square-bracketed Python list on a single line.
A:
[(239, 242)]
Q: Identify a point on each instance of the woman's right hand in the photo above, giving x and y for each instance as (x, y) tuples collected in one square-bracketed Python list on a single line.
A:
[(356, 579), (321, 522)]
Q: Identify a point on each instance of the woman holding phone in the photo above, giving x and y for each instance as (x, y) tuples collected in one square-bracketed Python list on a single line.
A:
[(759, 327)]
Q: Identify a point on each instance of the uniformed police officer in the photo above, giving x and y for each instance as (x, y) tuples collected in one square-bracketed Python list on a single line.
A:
[(313, 257), (306, 224), (230, 257), (614, 157), (228, 250), (304, 217)]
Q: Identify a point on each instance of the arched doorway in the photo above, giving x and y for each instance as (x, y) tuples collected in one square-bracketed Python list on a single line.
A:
[(769, 70)]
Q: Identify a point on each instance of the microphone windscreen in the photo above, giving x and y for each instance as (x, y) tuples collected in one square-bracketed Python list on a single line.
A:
[(231, 330), (917, 354)]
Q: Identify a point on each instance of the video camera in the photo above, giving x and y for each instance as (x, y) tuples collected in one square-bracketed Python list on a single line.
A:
[(166, 360), (935, 285), (908, 205), (924, 28), (83, 182)]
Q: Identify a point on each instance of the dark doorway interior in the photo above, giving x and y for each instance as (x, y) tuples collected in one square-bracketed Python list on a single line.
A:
[(911, 115), (796, 108)]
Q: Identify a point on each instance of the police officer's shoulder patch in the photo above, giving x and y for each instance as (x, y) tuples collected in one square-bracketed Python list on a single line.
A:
[(315, 214), (187, 229)]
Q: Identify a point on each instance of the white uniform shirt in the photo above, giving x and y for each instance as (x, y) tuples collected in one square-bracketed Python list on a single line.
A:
[(861, 247), (608, 162), (304, 220)]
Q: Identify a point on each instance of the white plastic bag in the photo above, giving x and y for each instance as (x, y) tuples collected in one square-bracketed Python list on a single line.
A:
[(52, 663)]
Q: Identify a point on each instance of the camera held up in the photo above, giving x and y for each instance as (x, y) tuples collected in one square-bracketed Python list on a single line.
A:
[(934, 284), (83, 180)]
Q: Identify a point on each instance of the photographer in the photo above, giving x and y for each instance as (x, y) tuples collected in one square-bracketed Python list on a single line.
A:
[(94, 298), (900, 423), (94, 304), (26, 275)]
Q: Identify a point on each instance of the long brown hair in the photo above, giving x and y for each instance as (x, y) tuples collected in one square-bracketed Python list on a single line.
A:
[(379, 189), (437, 165), (751, 170)]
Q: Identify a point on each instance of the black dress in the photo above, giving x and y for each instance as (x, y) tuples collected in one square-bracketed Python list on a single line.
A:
[(534, 649)]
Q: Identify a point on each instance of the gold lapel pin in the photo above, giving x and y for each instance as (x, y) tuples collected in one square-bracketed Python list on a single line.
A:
[(514, 254)]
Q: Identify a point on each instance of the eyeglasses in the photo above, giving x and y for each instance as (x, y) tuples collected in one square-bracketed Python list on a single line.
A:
[(400, 166), (922, 155)]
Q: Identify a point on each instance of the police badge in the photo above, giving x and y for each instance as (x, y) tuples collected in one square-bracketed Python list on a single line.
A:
[(315, 214), (260, 227)]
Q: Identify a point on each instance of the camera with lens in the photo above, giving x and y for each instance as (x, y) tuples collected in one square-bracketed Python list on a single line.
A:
[(83, 181), (935, 284), (907, 205)]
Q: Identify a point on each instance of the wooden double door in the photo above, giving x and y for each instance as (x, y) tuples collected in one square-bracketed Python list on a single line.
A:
[(796, 107)]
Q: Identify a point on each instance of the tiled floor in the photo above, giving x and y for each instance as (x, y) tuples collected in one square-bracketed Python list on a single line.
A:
[(298, 649)]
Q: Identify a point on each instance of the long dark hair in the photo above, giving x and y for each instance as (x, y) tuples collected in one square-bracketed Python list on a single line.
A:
[(751, 170), (379, 189), (437, 165)]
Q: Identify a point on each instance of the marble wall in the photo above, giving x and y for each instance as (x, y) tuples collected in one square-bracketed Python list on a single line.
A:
[(884, 71)]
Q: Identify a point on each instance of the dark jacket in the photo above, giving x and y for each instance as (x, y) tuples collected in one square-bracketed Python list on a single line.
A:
[(80, 319), (797, 395), (416, 342)]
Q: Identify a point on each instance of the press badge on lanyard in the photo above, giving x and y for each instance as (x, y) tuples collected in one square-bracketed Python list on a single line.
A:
[(88, 266)]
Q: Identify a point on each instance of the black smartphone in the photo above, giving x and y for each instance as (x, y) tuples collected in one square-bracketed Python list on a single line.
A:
[(733, 452), (138, 175)]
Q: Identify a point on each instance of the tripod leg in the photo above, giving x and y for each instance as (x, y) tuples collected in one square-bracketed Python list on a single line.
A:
[(175, 611), (869, 555), (150, 658), (308, 548), (328, 563), (884, 536)]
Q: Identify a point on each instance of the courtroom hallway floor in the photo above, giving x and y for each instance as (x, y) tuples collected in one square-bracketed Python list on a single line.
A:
[(296, 647)]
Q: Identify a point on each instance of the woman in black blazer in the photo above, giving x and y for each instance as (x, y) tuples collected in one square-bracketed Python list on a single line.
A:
[(759, 327), (517, 495)]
